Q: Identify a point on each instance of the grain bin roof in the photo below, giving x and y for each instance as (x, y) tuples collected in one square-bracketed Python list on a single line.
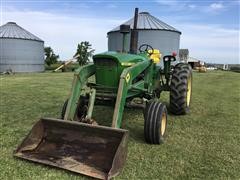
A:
[(148, 22), (12, 31)]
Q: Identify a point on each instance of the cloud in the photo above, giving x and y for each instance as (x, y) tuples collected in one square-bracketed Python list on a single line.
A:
[(188, 6), (172, 5), (178, 5), (168, 3), (62, 31), (111, 6), (211, 43), (216, 6), (192, 6)]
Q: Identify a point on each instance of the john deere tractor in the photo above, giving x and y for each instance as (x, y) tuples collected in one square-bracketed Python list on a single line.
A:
[(77, 142)]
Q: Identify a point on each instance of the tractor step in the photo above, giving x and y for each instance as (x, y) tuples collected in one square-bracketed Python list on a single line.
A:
[(95, 151)]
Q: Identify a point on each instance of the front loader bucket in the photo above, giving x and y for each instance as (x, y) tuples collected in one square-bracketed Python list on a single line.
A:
[(95, 151)]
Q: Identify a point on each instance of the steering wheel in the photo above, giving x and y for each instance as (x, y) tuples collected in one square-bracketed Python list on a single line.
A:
[(144, 48)]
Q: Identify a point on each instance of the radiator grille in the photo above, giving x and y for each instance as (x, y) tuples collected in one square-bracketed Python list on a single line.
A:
[(105, 62)]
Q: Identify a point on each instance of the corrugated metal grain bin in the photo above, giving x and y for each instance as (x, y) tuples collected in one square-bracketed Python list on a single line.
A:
[(20, 51), (152, 31)]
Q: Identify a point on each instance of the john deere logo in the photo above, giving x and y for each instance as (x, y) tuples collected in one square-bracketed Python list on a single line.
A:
[(127, 77)]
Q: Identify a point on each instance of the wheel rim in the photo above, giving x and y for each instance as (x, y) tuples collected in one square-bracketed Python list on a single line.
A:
[(163, 123), (189, 90)]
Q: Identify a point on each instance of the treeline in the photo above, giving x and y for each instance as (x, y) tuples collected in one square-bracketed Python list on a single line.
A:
[(83, 54)]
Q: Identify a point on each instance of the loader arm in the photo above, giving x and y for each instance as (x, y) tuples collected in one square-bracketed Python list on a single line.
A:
[(80, 78), (125, 84)]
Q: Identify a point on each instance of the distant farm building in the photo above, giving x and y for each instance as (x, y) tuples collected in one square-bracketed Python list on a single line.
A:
[(20, 50), (195, 62), (183, 55), (225, 67), (185, 58)]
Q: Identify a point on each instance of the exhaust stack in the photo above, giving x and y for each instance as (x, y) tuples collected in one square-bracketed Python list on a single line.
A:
[(124, 29), (134, 34)]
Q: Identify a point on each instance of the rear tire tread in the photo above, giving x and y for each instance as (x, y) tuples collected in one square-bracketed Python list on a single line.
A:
[(178, 89)]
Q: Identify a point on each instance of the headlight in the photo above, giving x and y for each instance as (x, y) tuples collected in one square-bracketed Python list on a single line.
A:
[(166, 59)]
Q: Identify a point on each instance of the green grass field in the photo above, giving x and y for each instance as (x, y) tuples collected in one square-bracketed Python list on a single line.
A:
[(204, 144)]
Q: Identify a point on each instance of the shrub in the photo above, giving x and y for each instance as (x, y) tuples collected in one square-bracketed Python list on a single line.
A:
[(235, 69)]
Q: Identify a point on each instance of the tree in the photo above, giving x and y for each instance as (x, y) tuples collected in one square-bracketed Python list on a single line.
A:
[(50, 56), (84, 52)]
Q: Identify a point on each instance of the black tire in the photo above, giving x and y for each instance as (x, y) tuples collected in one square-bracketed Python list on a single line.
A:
[(81, 108), (184, 66), (64, 108), (145, 110), (155, 122), (180, 89)]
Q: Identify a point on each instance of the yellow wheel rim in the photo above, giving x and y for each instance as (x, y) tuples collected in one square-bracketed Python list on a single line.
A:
[(163, 124), (189, 90)]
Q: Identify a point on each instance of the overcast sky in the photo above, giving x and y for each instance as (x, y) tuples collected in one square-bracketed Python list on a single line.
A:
[(210, 29)]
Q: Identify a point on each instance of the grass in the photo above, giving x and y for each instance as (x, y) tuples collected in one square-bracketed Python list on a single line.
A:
[(202, 145)]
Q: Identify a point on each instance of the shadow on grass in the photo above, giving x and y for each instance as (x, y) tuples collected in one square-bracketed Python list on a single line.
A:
[(133, 121)]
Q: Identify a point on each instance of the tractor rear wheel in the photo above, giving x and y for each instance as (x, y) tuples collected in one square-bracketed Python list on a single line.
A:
[(155, 122), (82, 108), (181, 89)]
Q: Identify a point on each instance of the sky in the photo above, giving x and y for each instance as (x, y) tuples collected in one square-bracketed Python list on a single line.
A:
[(210, 29)]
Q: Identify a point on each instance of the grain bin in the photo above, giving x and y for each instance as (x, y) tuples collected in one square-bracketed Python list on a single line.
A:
[(151, 31), (20, 51)]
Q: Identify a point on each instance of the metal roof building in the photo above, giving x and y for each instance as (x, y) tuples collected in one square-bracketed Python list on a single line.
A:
[(152, 31), (20, 50), (183, 55)]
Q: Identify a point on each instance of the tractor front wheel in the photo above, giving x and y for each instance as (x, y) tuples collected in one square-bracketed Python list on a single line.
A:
[(82, 108), (64, 108), (181, 89), (155, 122)]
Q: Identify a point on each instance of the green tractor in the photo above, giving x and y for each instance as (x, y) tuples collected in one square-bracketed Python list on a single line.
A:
[(76, 142)]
